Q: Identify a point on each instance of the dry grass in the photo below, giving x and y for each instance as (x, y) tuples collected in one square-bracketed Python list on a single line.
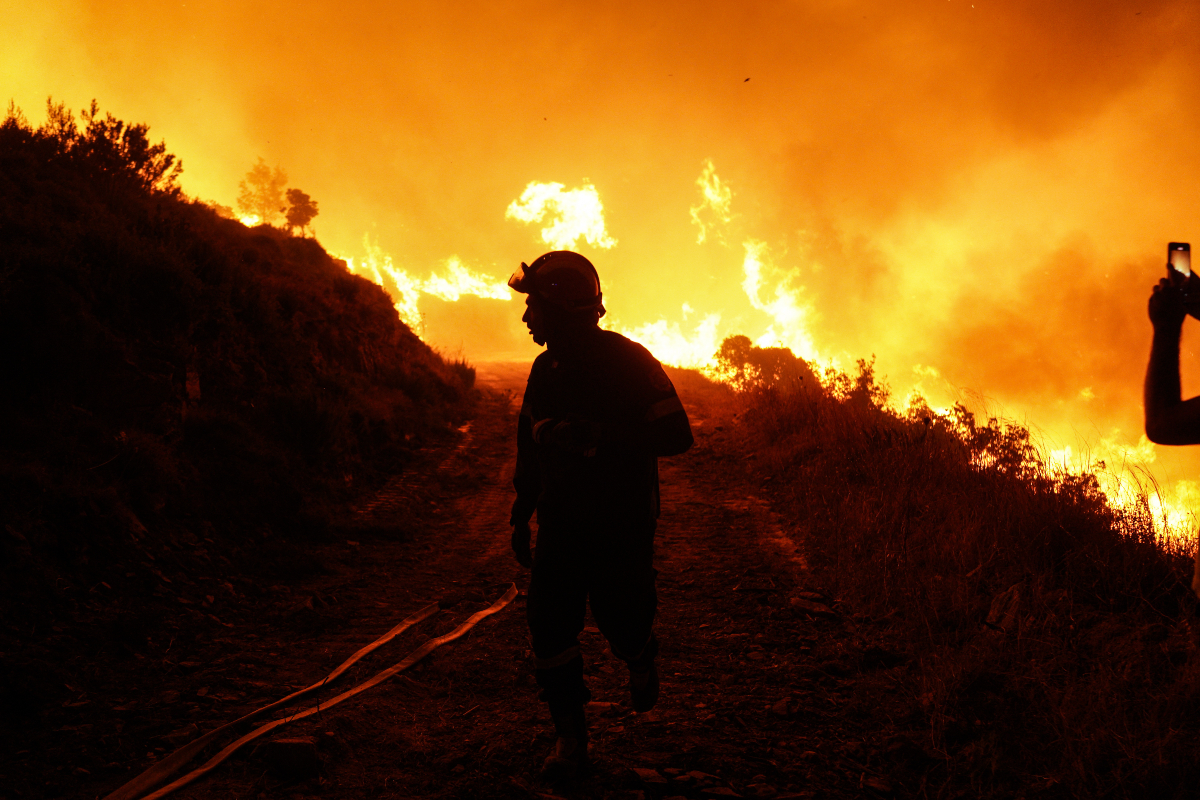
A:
[(1049, 634)]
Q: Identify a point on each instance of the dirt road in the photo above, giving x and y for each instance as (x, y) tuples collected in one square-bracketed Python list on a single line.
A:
[(768, 689)]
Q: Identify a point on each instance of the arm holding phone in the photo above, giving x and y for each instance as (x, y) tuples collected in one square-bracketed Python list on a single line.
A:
[(1169, 418)]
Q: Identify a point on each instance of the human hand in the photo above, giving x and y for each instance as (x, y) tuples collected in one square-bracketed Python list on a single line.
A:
[(1173, 298), (520, 544), (574, 435)]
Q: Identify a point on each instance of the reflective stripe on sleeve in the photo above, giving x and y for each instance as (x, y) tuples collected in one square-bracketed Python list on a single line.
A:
[(662, 408), (537, 426)]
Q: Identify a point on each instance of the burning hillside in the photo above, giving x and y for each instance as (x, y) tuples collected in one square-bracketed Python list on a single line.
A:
[(180, 390)]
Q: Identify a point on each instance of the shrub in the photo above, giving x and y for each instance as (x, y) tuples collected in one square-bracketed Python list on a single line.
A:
[(1049, 631)]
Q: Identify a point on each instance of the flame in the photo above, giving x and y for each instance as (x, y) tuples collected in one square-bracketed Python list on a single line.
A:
[(1123, 471), (790, 328), (714, 195), (575, 214), (406, 291), (462, 281), (669, 344)]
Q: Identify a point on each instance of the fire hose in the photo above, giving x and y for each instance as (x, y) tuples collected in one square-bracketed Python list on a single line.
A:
[(172, 764)]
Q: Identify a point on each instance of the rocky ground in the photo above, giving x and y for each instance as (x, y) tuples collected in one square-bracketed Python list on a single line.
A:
[(771, 688)]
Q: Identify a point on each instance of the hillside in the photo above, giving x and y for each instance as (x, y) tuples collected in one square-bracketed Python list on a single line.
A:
[(228, 466), (181, 393)]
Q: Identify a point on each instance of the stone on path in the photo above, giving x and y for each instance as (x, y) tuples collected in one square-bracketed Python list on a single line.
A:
[(811, 608), (649, 775)]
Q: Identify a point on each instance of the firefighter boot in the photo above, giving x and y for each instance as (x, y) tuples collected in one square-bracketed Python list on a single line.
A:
[(643, 677), (569, 758), (643, 687)]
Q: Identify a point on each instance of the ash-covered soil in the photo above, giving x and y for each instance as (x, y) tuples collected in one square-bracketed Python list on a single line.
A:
[(771, 688)]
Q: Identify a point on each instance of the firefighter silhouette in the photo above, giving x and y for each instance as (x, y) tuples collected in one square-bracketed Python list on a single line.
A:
[(598, 412)]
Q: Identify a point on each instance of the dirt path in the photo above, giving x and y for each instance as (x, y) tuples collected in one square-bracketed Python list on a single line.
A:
[(768, 691)]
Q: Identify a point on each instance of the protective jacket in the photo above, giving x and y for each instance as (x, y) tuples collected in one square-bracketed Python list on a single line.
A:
[(621, 413)]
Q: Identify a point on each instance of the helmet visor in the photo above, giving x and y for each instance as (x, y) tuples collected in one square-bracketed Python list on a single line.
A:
[(521, 280)]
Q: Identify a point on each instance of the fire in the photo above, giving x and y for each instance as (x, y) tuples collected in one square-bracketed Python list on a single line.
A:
[(773, 309), (715, 196), (1123, 471), (668, 342), (406, 291), (790, 314), (575, 213)]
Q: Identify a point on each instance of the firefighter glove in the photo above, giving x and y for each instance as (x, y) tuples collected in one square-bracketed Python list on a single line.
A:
[(573, 435), (520, 544)]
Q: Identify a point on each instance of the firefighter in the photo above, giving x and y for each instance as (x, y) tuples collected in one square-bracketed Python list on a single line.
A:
[(598, 412)]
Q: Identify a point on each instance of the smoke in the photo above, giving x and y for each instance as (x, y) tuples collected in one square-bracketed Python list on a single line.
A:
[(979, 188)]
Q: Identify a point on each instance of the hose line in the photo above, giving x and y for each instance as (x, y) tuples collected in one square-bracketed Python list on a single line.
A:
[(169, 766)]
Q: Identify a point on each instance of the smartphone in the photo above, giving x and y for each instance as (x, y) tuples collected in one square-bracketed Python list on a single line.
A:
[(1179, 257)]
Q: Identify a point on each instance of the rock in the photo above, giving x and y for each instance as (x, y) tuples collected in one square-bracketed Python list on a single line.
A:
[(719, 791), (702, 777), (782, 708), (649, 775), (292, 759), (1003, 615), (596, 707), (811, 608), (761, 790), (877, 785)]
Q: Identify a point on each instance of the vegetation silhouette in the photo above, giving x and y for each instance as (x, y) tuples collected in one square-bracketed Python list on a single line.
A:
[(261, 192), (1049, 638), (180, 393), (746, 366), (301, 210)]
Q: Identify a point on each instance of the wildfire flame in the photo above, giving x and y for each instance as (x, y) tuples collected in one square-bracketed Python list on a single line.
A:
[(692, 339), (671, 345), (575, 213), (715, 196), (406, 291)]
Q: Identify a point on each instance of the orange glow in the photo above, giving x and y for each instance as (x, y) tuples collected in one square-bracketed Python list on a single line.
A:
[(574, 214), (405, 290), (980, 194)]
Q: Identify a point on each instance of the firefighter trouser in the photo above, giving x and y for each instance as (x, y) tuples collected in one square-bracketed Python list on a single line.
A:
[(612, 566)]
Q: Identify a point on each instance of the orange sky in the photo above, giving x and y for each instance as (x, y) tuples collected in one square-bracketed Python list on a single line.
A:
[(985, 189)]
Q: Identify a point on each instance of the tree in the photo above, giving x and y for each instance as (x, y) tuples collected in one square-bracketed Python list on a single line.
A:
[(746, 366), (301, 210), (261, 193)]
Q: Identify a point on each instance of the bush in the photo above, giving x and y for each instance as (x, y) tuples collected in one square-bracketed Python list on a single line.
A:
[(1049, 631), (172, 376)]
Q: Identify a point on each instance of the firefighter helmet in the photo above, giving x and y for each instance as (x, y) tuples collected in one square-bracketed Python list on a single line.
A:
[(562, 278)]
